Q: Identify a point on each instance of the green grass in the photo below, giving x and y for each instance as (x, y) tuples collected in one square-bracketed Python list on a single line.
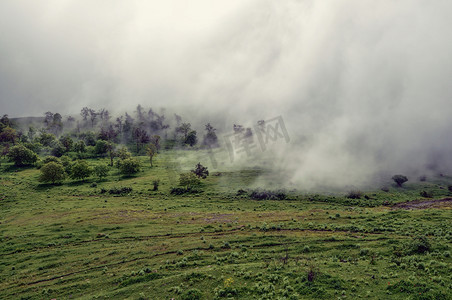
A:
[(70, 241)]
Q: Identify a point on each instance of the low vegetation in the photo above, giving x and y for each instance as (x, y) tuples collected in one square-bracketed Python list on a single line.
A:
[(90, 225)]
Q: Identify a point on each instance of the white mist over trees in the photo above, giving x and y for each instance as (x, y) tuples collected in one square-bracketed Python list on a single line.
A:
[(363, 86)]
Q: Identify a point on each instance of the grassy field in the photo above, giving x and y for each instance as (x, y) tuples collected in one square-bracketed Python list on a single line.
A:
[(73, 241)]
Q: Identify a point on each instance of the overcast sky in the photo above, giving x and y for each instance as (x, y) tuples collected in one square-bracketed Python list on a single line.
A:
[(369, 80)]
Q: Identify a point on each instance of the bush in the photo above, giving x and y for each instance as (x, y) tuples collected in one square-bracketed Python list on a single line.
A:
[(426, 194), (129, 166), (181, 191), (399, 179), (22, 156), (191, 139), (241, 192), (200, 171), (101, 171), (101, 147), (53, 172), (188, 180), (80, 147), (312, 274), (354, 194), (48, 159), (419, 245), (123, 153), (66, 161), (58, 150), (192, 294), (80, 170), (119, 191), (268, 195), (35, 147), (156, 184)]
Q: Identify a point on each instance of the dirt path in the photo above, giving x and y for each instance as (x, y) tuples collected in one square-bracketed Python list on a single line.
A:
[(424, 204)]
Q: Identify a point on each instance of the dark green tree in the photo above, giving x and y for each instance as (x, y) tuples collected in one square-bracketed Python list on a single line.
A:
[(191, 139), (200, 171), (80, 147), (129, 166), (8, 135), (188, 180), (101, 147), (101, 171), (123, 153), (22, 156), (210, 139), (58, 150), (53, 172), (81, 170), (141, 137), (399, 179), (67, 142), (184, 129), (155, 184), (46, 139)]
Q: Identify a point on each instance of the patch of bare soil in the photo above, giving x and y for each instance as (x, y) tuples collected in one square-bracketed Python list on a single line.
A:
[(424, 204)]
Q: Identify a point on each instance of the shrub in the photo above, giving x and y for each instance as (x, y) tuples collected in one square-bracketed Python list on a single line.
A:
[(130, 166), (51, 159), (101, 171), (35, 147), (364, 252), (80, 147), (259, 194), (312, 273), (226, 245), (123, 153), (81, 170), (191, 139), (188, 180), (426, 194), (181, 191), (66, 162), (155, 184), (399, 179), (22, 156), (101, 147), (241, 192), (53, 172), (119, 191), (419, 244), (192, 294), (354, 194), (200, 171), (58, 150)]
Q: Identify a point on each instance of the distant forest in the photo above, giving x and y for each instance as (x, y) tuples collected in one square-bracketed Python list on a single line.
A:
[(93, 132)]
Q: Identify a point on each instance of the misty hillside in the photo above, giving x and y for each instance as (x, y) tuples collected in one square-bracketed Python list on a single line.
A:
[(243, 149)]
